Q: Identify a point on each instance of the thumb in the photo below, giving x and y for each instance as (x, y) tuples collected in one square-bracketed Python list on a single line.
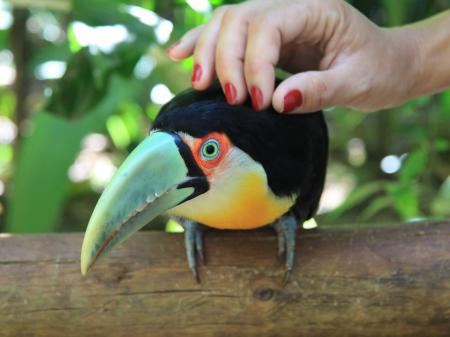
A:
[(309, 91)]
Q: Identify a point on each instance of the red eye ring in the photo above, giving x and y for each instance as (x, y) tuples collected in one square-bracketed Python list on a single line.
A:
[(216, 142)]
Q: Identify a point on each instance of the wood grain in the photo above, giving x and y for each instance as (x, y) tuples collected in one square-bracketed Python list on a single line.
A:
[(389, 281)]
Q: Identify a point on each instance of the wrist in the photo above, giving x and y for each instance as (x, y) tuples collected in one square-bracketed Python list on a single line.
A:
[(404, 62), (431, 46)]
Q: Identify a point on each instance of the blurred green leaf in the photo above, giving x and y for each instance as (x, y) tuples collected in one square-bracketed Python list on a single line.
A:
[(441, 203), (445, 104), (405, 199), (418, 102), (41, 180), (77, 91), (74, 45), (413, 165), (355, 198), (132, 117), (376, 206), (441, 144), (152, 111), (397, 11), (6, 156), (118, 132), (4, 39), (7, 103), (187, 63)]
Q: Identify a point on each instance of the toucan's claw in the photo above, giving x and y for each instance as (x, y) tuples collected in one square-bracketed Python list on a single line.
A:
[(199, 244), (287, 277), (193, 240), (281, 246), (286, 228)]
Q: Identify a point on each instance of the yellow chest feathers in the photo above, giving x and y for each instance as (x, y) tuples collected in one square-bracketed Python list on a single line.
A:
[(239, 197)]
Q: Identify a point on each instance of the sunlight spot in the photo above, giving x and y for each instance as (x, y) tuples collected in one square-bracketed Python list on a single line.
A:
[(102, 173), (356, 151), (95, 142), (33, 24), (174, 227), (416, 219), (6, 57), (7, 75), (338, 186), (51, 32), (310, 224), (2, 187), (79, 171), (103, 38), (163, 27), (390, 164), (95, 167), (50, 70), (146, 16), (7, 70), (163, 31), (202, 6), (6, 18), (48, 91), (144, 67), (8, 131), (160, 94)]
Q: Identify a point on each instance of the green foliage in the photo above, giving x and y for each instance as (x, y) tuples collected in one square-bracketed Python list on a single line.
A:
[(107, 92), (40, 192), (357, 197), (7, 103)]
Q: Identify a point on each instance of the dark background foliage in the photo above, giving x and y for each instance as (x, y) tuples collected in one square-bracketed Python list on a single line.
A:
[(81, 82)]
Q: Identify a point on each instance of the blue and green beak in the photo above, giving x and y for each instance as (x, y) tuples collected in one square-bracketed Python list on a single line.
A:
[(159, 174)]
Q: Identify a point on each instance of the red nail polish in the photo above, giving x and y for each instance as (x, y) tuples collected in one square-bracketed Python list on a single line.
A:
[(292, 100), (173, 46), (230, 93), (197, 73), (257, 97)]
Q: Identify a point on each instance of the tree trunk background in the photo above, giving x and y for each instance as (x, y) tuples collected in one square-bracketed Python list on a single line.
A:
[(349, 281)]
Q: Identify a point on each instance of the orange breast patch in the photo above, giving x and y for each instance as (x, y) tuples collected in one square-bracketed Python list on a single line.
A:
[(249, 204)]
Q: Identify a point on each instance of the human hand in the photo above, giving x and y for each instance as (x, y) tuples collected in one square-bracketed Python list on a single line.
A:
[(336, 55)]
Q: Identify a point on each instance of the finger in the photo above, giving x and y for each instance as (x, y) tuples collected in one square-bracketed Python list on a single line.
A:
[(261, 57), (230, 53), (311, 91), (204, 52), (184, 47)]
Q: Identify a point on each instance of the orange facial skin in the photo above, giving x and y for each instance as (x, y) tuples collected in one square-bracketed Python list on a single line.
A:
[(208, 166)]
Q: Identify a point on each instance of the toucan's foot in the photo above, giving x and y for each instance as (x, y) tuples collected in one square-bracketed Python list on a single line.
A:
[(193, 240), (286, 228)]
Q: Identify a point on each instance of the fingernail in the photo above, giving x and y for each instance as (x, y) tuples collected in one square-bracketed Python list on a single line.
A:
[(292, 100), (169, 50), (197, 73), (230, 93), (257, 98)]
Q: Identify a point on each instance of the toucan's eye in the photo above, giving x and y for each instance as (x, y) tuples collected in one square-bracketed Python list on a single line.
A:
[(210, 149)]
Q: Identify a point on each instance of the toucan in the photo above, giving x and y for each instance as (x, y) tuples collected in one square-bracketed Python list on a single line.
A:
[(208, 163)]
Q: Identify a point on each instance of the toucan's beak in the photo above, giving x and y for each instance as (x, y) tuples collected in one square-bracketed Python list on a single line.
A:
[(158, 175)]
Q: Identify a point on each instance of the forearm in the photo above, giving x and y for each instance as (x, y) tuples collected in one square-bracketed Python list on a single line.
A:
[(433, 46)]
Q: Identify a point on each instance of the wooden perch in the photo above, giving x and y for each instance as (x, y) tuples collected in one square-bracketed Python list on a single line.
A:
[(389, 281)]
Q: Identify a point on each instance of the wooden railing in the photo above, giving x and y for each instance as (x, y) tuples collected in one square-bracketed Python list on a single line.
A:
[(386, 281)]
